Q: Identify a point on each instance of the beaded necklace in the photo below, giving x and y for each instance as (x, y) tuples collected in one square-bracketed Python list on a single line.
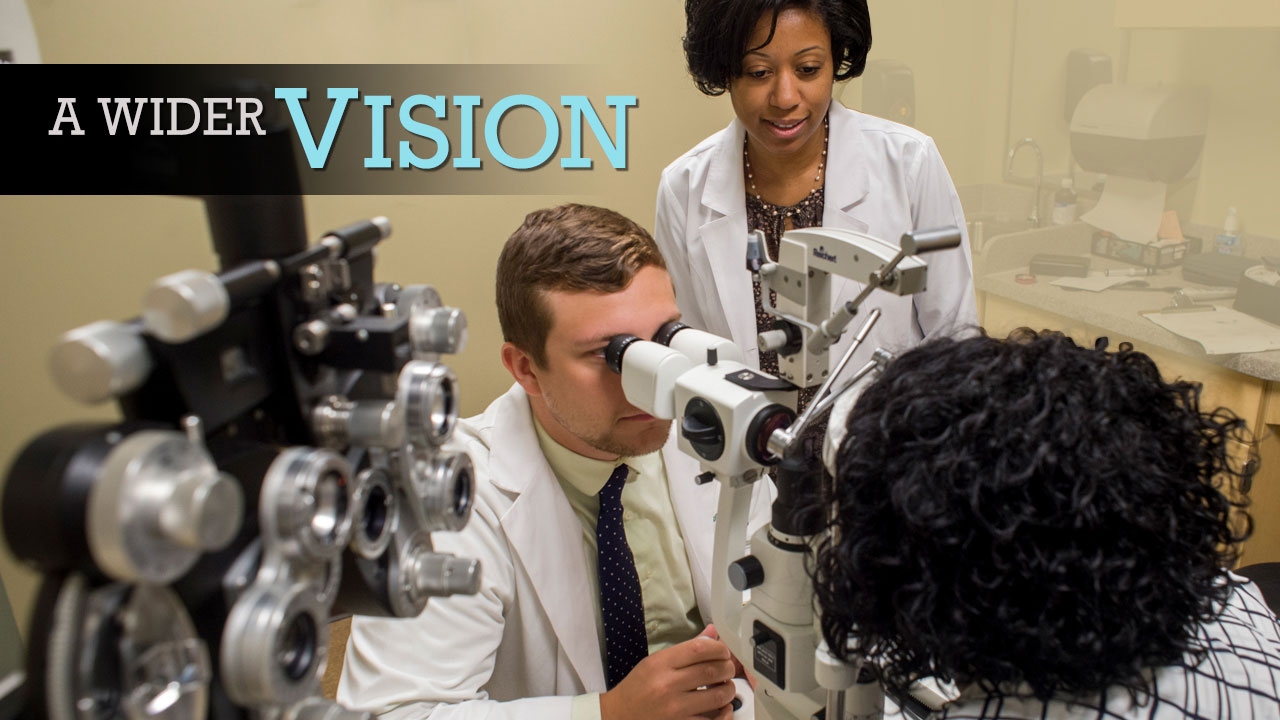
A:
[(813, 194)]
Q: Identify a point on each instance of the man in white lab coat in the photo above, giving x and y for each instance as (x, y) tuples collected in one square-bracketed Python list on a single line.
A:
[(535, 641)]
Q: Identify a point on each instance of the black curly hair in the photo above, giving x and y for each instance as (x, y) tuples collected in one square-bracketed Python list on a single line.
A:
[(1028, 510), (717, 32)]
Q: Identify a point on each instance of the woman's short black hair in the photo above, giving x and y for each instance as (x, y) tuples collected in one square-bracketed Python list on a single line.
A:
[(716, 37), (1029, 510)]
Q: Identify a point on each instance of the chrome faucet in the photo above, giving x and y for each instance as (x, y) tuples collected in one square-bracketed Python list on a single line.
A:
[(1034, 217)]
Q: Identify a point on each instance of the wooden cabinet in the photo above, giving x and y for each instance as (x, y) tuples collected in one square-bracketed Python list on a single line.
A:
[(1197, 13)]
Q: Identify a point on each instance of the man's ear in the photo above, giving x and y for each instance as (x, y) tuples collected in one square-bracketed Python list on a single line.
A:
[(522, 368)]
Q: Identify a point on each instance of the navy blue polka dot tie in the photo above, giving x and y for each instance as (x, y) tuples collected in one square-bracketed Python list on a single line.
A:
[(621, 603)]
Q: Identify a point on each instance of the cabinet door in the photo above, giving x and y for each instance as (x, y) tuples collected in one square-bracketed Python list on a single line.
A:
[(1197, 13)]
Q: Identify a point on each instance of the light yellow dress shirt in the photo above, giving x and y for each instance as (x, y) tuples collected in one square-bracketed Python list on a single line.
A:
[(653, 533)]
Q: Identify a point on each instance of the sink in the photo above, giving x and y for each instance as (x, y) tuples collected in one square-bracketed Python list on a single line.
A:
[(991, 210), (1014, 250)]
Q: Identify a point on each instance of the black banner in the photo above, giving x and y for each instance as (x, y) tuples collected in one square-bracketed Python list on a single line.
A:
[(310, 129)]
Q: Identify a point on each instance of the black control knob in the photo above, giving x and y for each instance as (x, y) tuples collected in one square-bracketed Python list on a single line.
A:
[(746, 573), (703, 429), (770, 418)]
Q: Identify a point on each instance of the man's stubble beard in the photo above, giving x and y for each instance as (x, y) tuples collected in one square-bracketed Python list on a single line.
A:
[(606, 442)]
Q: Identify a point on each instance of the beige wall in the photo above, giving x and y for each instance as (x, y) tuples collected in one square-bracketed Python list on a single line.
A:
[(72, 260), (958, 55)]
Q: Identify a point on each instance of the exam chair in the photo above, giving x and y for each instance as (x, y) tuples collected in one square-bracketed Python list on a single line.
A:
[(338, 632), (1267, 577)]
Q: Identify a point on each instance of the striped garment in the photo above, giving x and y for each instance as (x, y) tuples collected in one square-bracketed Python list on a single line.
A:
[(1237, 679)]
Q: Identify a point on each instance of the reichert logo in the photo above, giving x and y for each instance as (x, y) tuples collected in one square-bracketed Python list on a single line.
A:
[(821, 252)]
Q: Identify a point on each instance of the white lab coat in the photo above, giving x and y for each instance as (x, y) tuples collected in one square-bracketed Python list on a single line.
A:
[(528, 642), (883, 179)]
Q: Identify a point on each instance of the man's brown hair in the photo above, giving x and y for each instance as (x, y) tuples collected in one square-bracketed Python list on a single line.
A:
[(570, 248)]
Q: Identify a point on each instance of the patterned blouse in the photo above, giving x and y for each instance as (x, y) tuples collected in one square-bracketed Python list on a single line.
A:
[(1237, 678)]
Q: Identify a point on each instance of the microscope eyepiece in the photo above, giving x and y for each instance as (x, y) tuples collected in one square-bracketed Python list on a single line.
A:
[(668, 331), (616, 348)]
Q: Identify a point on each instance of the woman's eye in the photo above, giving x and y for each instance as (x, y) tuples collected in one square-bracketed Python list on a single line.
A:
[(810, 70), (757, 74)]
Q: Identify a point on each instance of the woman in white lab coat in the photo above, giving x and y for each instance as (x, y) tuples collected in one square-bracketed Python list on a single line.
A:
[(792, 158)]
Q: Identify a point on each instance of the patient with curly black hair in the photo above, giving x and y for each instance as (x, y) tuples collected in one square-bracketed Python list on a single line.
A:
[(1050, 527)]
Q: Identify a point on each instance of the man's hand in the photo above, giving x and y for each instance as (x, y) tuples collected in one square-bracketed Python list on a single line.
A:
[(739, 671), (692, 679)]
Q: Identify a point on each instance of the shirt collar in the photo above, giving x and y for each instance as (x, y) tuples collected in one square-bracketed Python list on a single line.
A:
[(588, 475)]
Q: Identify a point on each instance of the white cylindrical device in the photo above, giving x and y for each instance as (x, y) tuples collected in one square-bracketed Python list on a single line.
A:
[(182, 306), (694, 345), (100, 361), (649, 373)]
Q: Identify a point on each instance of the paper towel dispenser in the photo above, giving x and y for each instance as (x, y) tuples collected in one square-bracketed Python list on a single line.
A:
[(1149, 133)]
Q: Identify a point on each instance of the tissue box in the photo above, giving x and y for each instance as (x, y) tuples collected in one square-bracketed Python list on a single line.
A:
[(1158, 254), (1217, 269), (1068, 265), (1259, 294)]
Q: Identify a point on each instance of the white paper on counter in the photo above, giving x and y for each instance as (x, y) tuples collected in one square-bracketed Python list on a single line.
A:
[(1129, 209), (1222, 331), (1093, 283)]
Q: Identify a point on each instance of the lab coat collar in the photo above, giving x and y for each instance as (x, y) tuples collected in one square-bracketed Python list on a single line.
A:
[(695, 508), (545, 534), (725, 189), (724, 236), (847, 179)]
